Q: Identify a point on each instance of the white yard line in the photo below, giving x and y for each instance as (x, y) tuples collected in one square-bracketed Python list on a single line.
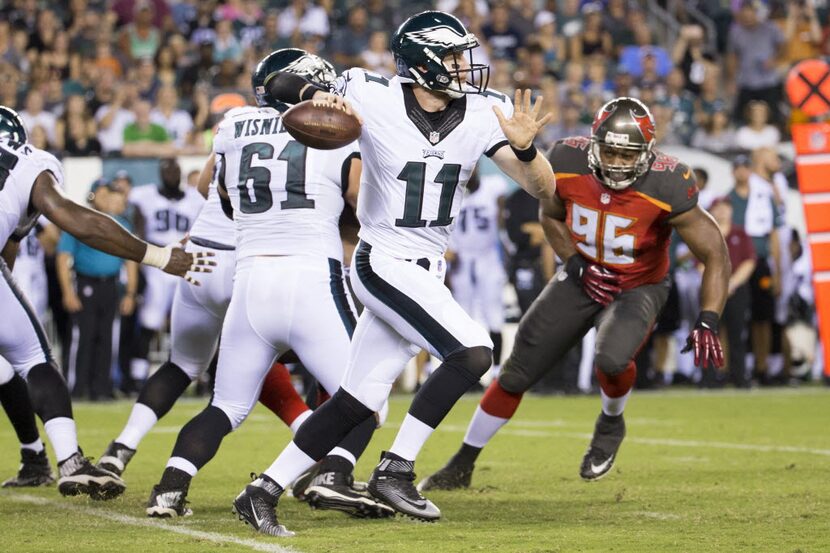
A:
[(653, 441), (164, 526)]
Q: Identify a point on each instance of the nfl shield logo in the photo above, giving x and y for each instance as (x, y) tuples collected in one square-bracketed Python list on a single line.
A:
[(605, 198), (434, 137)]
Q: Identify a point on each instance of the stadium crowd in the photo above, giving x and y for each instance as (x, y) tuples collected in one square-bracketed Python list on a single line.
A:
[(150, 79)]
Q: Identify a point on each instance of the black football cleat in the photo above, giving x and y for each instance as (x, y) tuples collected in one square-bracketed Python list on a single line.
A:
[(34, 471), (333, 490), (392, 483), (453, 476), (257, 506), (608, 435), (79, 476), (116, 458), (302, 482), (168, 503)]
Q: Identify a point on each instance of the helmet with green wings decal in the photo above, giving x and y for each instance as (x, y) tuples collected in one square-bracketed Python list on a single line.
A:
[(290, 60), (11, 126), (421, 47)]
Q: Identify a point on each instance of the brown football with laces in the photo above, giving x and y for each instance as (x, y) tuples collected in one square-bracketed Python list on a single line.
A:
[(320, 127)]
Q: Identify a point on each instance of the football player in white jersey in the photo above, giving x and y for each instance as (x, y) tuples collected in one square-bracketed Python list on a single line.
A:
[(30, 273), (478, 275), (167, 212), (30, 181), (423, 132), (288, 288)]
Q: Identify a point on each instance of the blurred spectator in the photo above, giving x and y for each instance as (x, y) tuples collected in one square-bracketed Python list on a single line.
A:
[(129, 10), (9, 79), (682, 102), (201, 29), (146, 80), (758, 132), (691, 56), (706, 196), (377, 56), (802, 32), (569, 124), (668, 132), (167, 69), (381, 15), (93, 300), (523, 16), (597, 82), (754, 46), (632, 57), (143, 138), (199, 70), (271, 39), (105, 60), (176, 122), (303, 17), (58, 57), (39, 139), (534, 69), (615, 21), (502, 37), (710, 99), (348, 43), (35, 115), (226, 46), (568, 17), (754, 209), (140, 38), (76, 124), (650, 78), (249, 24), (716, 134), (737, 309), (552, 45), (593, 38), (574, 79), (45, 31), (86, 33), (15, 52), (226, 75)]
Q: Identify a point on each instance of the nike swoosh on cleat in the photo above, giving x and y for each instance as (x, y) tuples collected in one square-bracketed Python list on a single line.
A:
[(597, 469), (253, 512), (421, 504)]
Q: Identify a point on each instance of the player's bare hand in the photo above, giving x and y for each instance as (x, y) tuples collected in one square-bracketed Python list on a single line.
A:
[(127, 306), (522, 127), (72, 303), (328, 99), (181, 263)]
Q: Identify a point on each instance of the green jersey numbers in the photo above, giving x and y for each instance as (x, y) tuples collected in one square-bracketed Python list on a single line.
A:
[(414, 175), (254, 180)]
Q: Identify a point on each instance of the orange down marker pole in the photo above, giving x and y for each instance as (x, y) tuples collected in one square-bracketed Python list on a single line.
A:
[(808, 89)]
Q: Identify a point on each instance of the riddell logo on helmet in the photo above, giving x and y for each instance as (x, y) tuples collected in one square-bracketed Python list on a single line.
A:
[(616, 139)]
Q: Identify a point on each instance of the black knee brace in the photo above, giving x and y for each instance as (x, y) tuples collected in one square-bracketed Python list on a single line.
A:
[(162, 389), (330, 423), (50, 396), (459, 371), (608, 365)]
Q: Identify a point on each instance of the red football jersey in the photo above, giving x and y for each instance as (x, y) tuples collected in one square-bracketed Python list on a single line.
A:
[(627, 230)]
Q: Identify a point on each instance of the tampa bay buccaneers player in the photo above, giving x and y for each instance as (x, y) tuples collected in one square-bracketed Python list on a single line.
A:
[(617, 200)]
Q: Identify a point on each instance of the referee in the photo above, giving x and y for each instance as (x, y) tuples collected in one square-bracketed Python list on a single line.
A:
[(93, 299)]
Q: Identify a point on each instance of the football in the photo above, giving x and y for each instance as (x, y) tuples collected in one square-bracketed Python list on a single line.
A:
[(321, 127)]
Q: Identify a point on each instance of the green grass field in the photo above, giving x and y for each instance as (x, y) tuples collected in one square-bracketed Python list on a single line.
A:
[(698, 472)]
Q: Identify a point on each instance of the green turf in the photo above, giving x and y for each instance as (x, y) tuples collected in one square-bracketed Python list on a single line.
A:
[(683, 482)]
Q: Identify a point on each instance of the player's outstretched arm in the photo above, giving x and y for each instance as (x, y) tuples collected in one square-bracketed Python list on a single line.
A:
[(552, 216), (103, 233), (521, 161), (293, 89), (701, 233)]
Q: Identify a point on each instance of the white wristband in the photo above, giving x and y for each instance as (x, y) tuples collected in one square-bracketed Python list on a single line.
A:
[(157, 257)]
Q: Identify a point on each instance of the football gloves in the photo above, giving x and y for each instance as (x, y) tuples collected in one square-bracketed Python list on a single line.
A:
[(599, 283), (705, 342)]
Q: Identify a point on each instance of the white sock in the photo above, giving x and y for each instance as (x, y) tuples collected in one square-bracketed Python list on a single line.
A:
[(141, 420), (63, 436), (482, 428), (295, 425), (36, 446), (344, 453), (613, 406), (183, 464), (411, 437), (290, 464)]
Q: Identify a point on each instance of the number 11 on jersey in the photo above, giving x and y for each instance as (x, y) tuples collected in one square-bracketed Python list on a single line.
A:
[(414, 174)]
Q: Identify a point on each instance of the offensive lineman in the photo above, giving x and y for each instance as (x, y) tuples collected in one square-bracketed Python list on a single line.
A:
[(29, 185), (478, 274), (168, 212), (616, 204), (423, 133), (288, 290)]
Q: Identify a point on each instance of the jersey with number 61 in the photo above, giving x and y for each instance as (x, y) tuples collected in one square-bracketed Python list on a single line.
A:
[(625, 230), (416, 164), (20, 165), (286, 198)]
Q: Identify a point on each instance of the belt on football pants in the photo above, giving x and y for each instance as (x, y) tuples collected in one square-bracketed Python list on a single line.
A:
[(205, 243), (421, 262)]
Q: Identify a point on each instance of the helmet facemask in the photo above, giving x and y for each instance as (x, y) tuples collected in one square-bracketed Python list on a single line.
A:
[(618, 176), (454, 74)]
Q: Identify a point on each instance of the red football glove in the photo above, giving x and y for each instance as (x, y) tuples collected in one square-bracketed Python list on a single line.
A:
[(599, 283), (705, 342)]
